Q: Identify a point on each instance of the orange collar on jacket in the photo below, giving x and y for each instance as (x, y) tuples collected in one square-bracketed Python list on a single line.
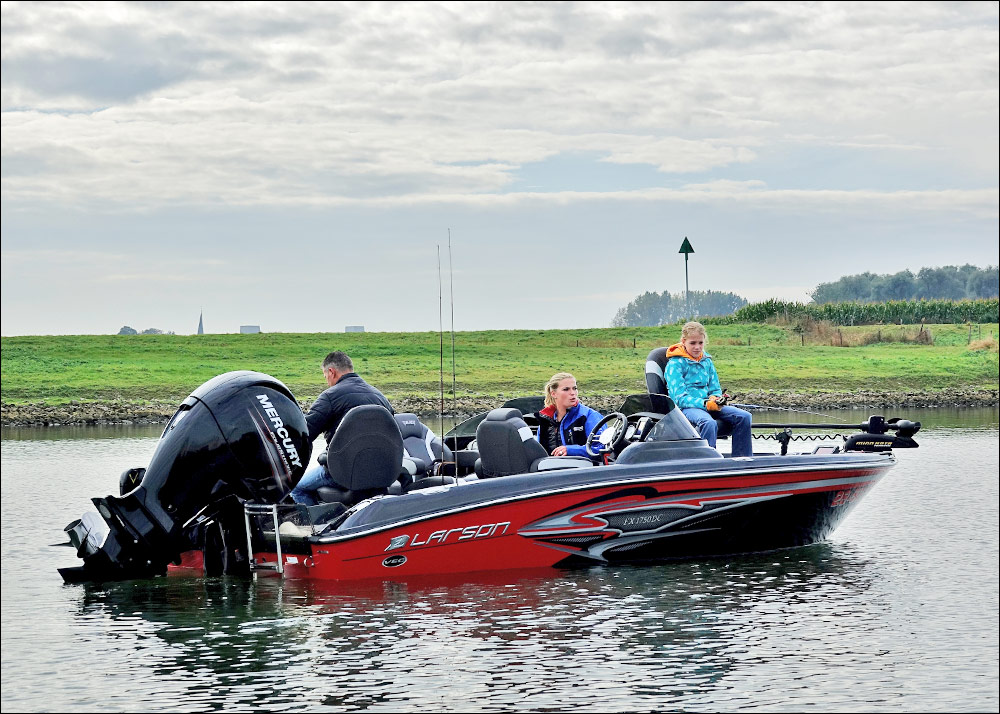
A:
[(678, 350)]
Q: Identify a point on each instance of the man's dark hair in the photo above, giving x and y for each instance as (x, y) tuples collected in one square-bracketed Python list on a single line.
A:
[(339, 361)]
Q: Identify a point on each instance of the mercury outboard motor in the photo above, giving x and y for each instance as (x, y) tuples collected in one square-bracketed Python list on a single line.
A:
[(240, 435)]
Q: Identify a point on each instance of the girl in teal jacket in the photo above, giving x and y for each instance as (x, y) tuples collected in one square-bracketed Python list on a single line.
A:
[(693, 385)]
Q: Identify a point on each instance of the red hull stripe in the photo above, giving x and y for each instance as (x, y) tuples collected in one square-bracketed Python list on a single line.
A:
[(493, 536)]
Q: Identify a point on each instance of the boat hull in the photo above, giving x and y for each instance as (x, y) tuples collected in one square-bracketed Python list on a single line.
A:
[(695, 510)]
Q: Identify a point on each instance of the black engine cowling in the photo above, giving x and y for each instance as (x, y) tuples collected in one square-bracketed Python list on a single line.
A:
[(241, 435)]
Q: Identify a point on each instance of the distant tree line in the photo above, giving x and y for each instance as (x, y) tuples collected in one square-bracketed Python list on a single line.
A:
[(126, 330), (946, 283), (652, 309), (900, 312)]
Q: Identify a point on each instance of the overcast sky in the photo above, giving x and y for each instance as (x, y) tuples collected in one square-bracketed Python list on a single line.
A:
[(297, 165)]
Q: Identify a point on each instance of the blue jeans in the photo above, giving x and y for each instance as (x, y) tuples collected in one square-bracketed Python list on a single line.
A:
[(733, 421), (311, 481)]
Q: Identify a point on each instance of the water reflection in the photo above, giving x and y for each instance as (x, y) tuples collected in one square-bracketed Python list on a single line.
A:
[(643, 635), (897, 611), (53, 433)]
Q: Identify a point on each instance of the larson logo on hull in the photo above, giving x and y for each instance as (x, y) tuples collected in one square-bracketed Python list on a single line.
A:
[(440, 537)]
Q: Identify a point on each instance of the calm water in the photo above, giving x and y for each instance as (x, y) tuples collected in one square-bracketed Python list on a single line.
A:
[(899, 610)]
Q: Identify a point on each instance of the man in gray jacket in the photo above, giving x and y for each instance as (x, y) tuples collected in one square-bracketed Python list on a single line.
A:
[(347, 390)]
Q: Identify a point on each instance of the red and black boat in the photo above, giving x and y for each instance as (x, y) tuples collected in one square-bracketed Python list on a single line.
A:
[(215, 494)]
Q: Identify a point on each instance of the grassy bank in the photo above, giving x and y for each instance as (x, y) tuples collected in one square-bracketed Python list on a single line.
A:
[(54, 370)]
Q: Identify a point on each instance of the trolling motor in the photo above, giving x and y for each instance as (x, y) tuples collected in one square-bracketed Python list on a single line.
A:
[(873, 436), (240, 435)]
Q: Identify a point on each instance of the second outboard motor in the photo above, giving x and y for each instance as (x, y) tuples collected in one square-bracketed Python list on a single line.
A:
[(240, 434)]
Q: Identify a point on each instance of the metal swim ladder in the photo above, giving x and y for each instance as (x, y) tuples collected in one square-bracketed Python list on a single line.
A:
[(263, 510)]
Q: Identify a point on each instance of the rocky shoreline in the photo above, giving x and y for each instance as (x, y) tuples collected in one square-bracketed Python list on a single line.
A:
[(159, 411)]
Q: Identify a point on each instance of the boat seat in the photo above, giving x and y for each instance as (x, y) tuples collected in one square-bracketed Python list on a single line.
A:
[(554, 463), (656, 385), (405, 485), (421, 445), (364, 456), (506, 445), (465, 460)]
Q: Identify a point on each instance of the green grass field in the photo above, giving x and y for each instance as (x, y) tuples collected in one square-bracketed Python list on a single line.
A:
[(58, 369)]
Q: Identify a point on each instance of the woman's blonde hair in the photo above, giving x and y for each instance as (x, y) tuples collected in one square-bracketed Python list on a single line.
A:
[(691, 329), (553, 382)]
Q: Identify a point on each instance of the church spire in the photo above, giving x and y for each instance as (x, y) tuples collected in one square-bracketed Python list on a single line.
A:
[(201, 324)]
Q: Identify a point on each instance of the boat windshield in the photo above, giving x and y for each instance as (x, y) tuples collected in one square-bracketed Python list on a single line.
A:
[(674, 426), (526, 405)]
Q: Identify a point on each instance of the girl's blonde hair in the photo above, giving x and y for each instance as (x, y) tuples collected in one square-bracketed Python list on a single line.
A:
[(691, 329), (553, 382)]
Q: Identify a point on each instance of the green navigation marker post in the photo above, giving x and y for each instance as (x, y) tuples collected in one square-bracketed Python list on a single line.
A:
[(686, 249)]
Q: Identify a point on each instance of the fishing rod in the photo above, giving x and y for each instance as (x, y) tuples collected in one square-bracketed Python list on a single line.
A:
[(779, 409), (454, 390), (725, 400), (440, 340)]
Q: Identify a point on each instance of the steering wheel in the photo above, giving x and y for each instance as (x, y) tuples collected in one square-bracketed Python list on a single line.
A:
[(611, 439)]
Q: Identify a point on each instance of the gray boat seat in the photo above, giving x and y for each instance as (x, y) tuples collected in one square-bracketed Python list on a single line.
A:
[(422, 446)]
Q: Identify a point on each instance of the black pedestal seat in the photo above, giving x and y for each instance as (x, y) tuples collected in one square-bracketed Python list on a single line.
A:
[(507, 447), (364, 457), (656, 385)]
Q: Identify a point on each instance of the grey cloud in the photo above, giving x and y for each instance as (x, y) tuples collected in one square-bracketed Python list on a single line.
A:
[(267, 20), (629, 42), (27, 163), (371, 100), (23, 163), (299, 76), (97, 79), (113, 63), (524, 25), (741, 27)]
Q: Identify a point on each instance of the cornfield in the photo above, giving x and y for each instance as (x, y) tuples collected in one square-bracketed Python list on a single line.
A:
[(898, 312)]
